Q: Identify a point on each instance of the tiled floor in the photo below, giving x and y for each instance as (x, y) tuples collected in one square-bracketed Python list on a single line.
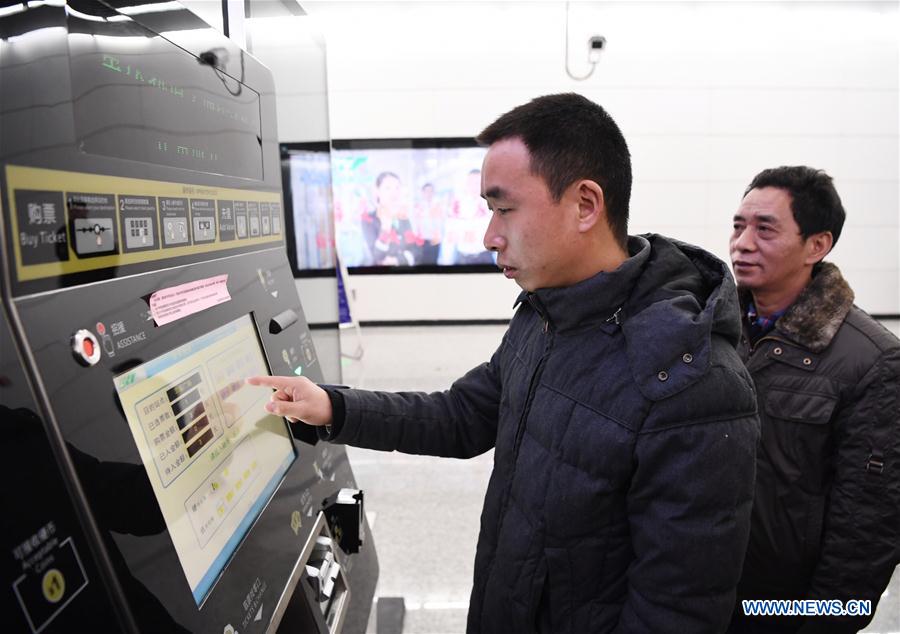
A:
[(425, 511)]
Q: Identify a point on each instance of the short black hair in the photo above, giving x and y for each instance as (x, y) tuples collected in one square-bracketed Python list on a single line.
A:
[(569, 137), (814, 200)]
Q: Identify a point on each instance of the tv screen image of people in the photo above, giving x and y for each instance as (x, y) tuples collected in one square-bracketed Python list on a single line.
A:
[(409, 206)]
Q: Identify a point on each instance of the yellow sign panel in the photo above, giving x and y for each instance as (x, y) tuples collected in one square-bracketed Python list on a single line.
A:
[(70, 222)]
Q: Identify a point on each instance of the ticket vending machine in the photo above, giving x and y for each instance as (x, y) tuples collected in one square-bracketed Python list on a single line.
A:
[(144, 275)]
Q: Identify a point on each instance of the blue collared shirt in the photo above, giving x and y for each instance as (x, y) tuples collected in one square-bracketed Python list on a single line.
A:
[(760, 325)]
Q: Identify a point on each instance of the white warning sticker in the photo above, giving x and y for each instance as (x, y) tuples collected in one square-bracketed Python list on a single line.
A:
[(171, 304)]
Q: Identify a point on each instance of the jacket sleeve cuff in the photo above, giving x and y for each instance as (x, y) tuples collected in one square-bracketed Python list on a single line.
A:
[(338, 414)]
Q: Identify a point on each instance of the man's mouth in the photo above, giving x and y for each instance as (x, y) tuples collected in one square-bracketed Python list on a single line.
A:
[(508, 271)]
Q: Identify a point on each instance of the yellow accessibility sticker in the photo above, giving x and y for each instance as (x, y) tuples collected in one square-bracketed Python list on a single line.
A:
[(54, 585)]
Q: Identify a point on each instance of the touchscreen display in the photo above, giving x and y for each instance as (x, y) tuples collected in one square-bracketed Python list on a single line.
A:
[(213, 455)]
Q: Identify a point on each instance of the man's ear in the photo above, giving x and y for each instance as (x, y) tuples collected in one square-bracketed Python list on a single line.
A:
[(591, 204), (817, 246)]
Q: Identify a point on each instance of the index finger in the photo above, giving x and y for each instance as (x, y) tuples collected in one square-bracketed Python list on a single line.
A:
[(277, 382)]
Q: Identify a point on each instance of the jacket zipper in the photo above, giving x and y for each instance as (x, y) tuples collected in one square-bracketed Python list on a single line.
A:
[(532, 388), (520, 433)]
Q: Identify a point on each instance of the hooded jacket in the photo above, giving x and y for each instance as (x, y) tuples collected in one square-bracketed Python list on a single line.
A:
[(624, 428), (826, 516)]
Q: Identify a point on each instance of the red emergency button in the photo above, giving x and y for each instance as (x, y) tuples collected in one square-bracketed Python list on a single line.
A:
[(85, 347)]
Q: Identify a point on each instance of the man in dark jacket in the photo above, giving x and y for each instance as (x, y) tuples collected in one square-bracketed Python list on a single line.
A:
[(826, 515), (623, 422)]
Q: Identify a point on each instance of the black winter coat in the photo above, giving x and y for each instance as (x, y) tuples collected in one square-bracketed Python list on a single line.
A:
[(826, 516), (625, 431)]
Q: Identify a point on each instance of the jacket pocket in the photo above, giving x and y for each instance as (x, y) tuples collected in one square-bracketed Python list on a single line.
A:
[(813, 409), (558, 597), (538, 611), (797, 439)]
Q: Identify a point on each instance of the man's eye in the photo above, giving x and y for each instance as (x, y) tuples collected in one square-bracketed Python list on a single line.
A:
[(502, 210)]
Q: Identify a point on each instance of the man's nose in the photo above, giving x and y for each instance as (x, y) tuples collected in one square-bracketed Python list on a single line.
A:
[(493, 241), (745, 240)]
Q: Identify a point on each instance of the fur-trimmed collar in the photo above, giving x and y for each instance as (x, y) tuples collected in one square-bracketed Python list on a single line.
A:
[(817, 313)]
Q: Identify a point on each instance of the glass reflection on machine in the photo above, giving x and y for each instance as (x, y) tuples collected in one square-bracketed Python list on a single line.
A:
[(213, 456), (140, 97)]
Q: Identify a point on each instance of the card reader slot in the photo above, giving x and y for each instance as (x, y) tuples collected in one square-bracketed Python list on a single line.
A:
[(282, 321)]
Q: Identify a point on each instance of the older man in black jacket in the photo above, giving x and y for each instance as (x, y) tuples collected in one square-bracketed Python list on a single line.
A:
[(826, 515), (623, 422)]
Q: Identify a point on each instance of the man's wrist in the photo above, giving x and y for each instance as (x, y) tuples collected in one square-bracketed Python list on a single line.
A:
[(338, 413)]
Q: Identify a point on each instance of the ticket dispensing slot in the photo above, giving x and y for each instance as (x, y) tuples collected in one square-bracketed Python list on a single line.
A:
[(317, 592), (324, 575)]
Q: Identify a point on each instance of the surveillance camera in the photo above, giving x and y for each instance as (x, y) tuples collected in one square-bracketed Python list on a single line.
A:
[(215, 57), (595, 45)]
